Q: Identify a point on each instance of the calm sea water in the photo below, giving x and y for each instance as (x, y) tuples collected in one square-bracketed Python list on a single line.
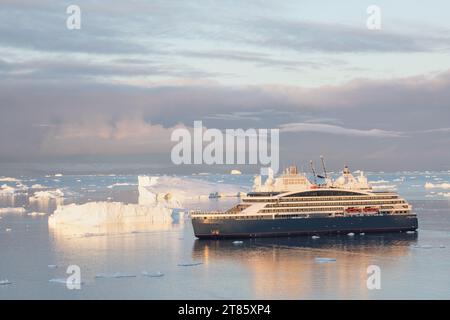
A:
[(34, 257)]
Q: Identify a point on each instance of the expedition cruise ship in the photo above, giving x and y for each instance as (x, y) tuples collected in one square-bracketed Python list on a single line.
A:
[(291, 205)]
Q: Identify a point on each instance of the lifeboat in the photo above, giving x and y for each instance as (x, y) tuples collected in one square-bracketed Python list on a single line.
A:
[(353, 210), (371, 210)]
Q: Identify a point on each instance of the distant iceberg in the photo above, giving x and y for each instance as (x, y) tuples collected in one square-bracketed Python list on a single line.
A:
[(12, 210), (5, 282), (444, 185), (9, 179), (384, 187), (43, 200), (7, 190), (50, 194), (173, 192), (36, 214)]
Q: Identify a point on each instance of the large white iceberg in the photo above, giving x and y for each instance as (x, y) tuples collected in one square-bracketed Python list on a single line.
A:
[(101, 213), (175, 191)]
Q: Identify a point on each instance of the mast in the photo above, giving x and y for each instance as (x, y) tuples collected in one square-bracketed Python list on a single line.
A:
[(313, 171), (323, 166)]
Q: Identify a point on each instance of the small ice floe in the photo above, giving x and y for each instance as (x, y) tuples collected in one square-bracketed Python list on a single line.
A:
[(115, 275), (38, 186), (157, 274), (238, 243), (362, 234), (12, 210), (5, 282), (427, 246), (58, 280), (189, 264), (315, 237), (350, 234), (8, 229), (92, 234), (36, 214), (120, 184), (410, 232), (52, 266), (325, 260)]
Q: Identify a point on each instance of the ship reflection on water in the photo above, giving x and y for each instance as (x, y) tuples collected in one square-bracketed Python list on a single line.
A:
[(308, 268)]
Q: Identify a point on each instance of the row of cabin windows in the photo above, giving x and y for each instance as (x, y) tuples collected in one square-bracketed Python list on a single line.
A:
[(300, 210), (319, 199), (337, 198), (270, 205)]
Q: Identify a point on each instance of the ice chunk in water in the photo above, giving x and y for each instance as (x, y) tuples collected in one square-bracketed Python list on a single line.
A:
[(189, 264), (238, 242), (115, 275), (12, 210), (351, 234), (325, 260), (5, 282), (58, 280), (157, 274), (315, 237)]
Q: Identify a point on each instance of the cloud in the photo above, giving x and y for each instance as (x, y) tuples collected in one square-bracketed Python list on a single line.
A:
[(102, 136), (333, 129)]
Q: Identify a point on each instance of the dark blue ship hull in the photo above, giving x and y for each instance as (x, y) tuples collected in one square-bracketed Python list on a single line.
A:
[(245, 228)]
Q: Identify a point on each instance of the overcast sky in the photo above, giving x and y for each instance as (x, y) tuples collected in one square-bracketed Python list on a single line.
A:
[(116, 88)]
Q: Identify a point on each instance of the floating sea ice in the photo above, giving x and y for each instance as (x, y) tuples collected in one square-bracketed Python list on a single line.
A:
[(5, 282), (38, 186), (120, 184), (410, 232), (444, 185), (58, 280), (351, 234), (427, 246), (12, 210), (190, 264), (238, 242), (36, 214), (115, 275), (315, 237), (8, 229), (325, 260), (362, 234), (152, 274)]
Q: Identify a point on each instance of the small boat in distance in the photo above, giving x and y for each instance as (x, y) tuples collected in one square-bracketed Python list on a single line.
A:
[(292, 205)]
